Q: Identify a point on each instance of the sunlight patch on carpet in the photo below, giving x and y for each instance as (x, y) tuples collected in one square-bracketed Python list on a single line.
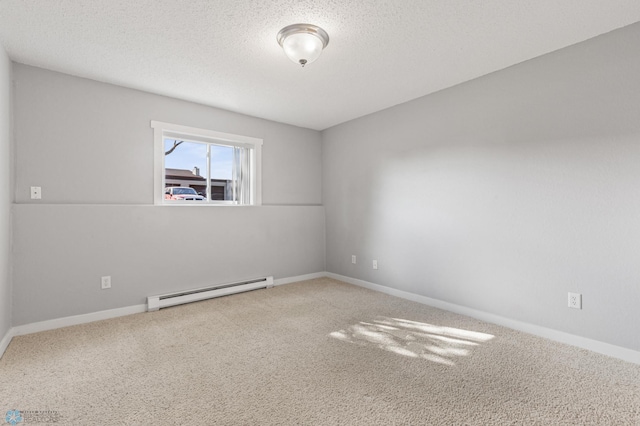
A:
[(413, 339)]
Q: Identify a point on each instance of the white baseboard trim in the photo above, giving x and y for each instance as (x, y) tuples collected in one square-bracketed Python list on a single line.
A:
[(4, 343), (111, 313), (558, 336), (282, 281), (548, 333), (77, 319)]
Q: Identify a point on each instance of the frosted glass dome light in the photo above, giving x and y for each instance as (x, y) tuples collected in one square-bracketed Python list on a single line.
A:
[(303, 43)]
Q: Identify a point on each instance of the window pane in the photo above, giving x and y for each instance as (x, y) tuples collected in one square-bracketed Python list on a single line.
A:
[(185, 168), (221, 172)]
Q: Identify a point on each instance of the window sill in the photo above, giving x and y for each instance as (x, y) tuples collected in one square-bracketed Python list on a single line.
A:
[(203, 204)]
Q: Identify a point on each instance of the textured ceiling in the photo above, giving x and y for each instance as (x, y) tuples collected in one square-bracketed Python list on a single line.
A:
[(224, 52)]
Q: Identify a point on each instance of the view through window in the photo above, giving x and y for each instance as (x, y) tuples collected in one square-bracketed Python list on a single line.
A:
[(201, 166)]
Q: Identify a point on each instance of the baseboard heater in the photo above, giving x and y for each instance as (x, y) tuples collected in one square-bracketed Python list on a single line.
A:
[(179, 298)]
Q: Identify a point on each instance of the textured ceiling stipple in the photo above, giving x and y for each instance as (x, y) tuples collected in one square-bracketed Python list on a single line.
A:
[(224, 53)]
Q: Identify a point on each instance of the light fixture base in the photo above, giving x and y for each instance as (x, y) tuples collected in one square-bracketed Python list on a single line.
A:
[(303, 28)]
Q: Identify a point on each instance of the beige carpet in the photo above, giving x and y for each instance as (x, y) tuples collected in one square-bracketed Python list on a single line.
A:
[(319, 352)]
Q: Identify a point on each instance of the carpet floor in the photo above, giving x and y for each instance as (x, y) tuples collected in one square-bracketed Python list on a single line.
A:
[(319, 352)]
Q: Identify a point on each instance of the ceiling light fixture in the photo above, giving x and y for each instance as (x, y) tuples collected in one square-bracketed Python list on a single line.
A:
[(303, 43)]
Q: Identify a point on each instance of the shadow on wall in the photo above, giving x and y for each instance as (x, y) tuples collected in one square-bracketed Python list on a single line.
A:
[(413, 339)]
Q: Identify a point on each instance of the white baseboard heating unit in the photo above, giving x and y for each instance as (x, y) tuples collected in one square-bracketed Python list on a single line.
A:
[(179, 298)]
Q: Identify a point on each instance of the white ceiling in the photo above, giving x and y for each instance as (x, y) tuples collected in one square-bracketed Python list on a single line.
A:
[(224, 53)]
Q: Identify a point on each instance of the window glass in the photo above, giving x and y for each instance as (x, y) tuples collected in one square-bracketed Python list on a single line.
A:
[(195, 166)]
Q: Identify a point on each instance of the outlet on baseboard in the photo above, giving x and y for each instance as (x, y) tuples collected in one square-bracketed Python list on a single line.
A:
[(575, 300), (105, 282)]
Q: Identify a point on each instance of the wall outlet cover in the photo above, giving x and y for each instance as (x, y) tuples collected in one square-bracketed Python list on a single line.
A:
[(36, 193), (575, 300), (105, 282)]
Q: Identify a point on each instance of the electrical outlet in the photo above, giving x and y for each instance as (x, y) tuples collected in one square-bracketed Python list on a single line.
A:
[(353, 259), (106, 282), (36, 192), (375, 264), (575, 300)]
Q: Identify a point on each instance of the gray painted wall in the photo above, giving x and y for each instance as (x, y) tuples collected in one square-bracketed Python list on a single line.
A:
[(5, 193), (86, 142), (504, 193), (90, 146)]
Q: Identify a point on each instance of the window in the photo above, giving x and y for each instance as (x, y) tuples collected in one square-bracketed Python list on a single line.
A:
[(198, 166)]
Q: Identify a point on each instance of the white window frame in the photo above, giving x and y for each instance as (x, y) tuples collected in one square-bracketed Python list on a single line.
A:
[(163, 130)]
